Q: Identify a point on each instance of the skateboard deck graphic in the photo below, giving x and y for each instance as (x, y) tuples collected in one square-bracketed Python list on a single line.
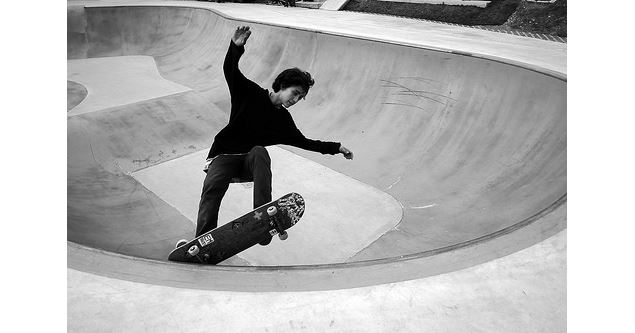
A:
[(271, 219)]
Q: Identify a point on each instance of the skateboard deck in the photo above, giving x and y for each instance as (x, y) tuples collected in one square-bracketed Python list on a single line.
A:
[(242, 233)]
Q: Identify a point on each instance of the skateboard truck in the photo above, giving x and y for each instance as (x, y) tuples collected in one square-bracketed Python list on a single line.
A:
[(193, 250), (273, 221)]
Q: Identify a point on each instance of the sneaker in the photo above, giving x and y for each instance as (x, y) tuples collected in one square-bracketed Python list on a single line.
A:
[(266, 241), (180, 243)]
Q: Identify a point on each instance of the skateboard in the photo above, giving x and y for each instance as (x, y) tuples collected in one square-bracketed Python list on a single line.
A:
[(266, 221)]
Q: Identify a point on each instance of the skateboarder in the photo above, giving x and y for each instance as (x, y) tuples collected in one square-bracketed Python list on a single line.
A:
[(258, 118)]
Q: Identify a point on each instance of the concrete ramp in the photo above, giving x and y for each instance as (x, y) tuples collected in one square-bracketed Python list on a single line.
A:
[(470, 148)]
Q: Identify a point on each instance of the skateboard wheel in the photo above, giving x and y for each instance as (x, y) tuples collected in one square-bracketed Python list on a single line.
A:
[(272, 210), (193, 250), (180, 243), (283, 235)]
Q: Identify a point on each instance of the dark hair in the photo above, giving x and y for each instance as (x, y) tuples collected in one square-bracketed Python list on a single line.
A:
[(293, 77)]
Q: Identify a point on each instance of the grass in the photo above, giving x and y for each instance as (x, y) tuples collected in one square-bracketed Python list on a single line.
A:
[(546, 18)]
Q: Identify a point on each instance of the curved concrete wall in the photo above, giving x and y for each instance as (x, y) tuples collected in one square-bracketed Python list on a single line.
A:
[(469, 146)]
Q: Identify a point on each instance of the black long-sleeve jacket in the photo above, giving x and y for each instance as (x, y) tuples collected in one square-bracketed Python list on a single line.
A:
[(254, 120)]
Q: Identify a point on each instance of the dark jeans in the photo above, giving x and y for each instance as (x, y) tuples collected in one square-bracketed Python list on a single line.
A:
[(225, 169)]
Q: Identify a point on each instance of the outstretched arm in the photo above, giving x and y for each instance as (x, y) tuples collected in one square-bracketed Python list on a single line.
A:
[(300, 141), (322, 147)]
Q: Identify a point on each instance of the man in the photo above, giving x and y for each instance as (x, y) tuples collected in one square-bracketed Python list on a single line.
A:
[(258, 118)]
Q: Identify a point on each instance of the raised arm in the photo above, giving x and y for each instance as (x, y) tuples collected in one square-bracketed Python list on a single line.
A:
[(235, 79)]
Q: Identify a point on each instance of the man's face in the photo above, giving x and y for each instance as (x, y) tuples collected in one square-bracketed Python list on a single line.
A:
[(291, 95)]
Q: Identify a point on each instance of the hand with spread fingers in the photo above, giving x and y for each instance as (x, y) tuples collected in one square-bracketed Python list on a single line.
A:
[(241, 35)]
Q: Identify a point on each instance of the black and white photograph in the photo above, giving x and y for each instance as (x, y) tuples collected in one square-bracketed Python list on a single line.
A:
[(374, 166), (317, 166)]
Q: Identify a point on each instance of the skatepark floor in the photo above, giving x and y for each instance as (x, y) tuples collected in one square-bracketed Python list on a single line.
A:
[(482, 249)]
